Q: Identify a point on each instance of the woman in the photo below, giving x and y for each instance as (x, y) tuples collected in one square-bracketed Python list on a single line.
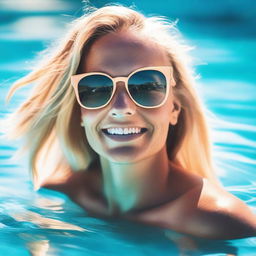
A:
[(114, 122)]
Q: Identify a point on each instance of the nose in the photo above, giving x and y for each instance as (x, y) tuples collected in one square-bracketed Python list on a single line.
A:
[(121, 103)]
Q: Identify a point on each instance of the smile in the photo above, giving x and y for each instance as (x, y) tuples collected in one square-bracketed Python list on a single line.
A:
[(124, 134), (124, 131)]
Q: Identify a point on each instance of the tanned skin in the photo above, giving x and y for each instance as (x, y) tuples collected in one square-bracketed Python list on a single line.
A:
[(137, 181)]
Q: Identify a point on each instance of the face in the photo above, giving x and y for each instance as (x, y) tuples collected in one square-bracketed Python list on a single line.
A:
[(119, 54)]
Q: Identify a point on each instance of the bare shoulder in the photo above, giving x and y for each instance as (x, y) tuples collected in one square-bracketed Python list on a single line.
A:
[(84, 188), (210, 211), (206, 211), (216, 198), (71, 182)]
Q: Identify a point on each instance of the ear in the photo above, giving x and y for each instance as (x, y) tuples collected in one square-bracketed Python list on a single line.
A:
[(175, 113)]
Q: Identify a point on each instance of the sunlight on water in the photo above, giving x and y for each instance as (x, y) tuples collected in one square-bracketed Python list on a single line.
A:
[(48, 223)]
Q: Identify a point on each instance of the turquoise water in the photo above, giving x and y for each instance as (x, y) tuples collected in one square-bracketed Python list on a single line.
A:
[(48, 223)]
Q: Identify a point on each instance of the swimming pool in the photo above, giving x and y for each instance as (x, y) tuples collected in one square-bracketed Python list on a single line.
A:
[(48, 223)]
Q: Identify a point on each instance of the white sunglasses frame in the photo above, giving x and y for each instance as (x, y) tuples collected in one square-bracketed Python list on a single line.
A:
[(167, 71)]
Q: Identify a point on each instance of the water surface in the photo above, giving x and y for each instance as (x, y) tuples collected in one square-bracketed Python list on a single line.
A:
[(48, 222)]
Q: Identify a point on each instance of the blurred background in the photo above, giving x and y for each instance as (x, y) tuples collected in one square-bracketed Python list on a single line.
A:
[(223, 35), (222, 32)]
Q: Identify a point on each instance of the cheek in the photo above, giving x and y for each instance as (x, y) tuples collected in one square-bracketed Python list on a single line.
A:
[(84, 112), (90, 117), (163, 114), (90, 120), (162, 121), (92, 136), (161, 129)]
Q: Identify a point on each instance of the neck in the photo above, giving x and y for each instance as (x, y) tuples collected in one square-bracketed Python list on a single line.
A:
[(130, 186)]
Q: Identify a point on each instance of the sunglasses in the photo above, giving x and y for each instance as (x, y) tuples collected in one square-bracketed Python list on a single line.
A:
[(147, 87)]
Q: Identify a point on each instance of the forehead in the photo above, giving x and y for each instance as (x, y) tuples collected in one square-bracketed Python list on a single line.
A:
[(118, 54)]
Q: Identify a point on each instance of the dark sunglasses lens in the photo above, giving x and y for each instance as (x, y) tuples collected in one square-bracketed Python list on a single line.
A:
[(95, 90), (148, 87)]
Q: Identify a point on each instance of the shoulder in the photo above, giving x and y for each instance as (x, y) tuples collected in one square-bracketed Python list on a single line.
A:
[(216, 198), (216, 213), (72, 182), (206, 211), (67, 183)]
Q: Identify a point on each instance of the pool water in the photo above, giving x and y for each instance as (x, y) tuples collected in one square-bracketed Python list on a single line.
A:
[(48, 223)]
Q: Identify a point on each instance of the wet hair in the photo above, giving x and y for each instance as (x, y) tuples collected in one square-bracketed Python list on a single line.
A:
[(49, 119)]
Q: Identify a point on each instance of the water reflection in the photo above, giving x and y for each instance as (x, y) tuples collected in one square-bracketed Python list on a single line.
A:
[(45, 203), (38, 248), (189, 246), (47, 229), (43, 222)]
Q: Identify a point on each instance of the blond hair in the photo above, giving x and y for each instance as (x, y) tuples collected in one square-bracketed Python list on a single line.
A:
[(49, 119)]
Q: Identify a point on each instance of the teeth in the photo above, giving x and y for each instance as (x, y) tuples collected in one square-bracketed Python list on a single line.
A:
[(121, 131)]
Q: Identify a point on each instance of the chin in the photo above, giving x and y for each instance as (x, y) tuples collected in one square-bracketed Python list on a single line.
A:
[(127, 154)]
